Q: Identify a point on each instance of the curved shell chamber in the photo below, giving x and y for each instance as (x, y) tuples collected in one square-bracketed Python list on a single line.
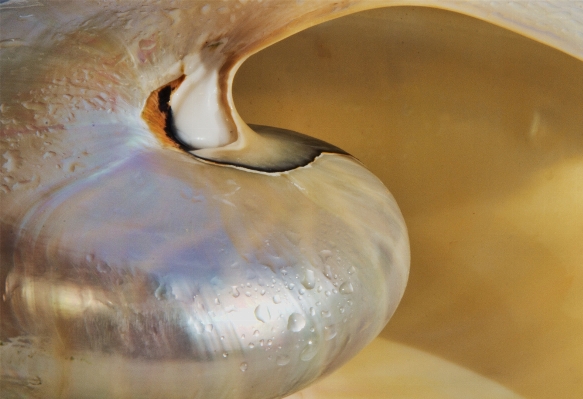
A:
[(132, 268)]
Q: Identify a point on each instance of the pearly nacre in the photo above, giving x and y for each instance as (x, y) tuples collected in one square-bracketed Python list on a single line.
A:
[(135, 269)]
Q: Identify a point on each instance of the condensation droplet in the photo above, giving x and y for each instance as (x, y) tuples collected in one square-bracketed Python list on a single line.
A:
[(34, 381), (251, 345), (309, 280), (198, 327), (346, 288), (208, 328), (326, 313), (351, 270), (276, 299), (103, 267), (262, 313), (243, 367), (282, 360), (309, 351), (296, 322), (329, 332), (324, 255), (235, 292), (8, 43)]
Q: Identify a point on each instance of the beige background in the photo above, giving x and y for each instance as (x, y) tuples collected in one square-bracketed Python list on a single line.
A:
[(478, 133)]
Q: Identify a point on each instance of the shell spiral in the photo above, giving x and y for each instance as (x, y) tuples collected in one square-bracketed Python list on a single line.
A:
[(135, 267)]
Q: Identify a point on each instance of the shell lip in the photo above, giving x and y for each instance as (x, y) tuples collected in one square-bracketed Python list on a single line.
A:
[(275, 150)]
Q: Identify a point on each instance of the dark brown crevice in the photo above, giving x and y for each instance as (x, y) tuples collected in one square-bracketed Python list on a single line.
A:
[(282, 150), (158, 115)]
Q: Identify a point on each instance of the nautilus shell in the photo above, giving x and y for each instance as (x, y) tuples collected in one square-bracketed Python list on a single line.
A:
[(154, 245)]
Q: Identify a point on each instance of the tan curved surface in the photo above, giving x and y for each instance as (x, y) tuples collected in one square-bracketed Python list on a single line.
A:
[(478, 132)]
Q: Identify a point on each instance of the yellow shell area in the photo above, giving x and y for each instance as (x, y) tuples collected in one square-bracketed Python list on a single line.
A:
[(478, 132)]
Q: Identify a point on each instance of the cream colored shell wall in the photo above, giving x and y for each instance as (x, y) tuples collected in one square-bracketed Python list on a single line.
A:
[(478, 132)]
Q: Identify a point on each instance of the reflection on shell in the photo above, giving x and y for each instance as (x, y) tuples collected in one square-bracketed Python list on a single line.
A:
[(131, 268)]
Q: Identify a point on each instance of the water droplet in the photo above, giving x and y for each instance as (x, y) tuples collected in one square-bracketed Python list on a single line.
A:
[(309, 280), (256, 333), (198, 327), (282, 360), (8, 43), (312, 311), (208, 328), (276, 299), (217, 301), (325, 254), (328, 272), (262, 313), (163, 292), (235, 291), (328, 293), (251, 345), (103, 267), (309, 351), (296, 322), (346, 288), (225, 355), (89, 258), (205, 9), (302, 291), (34, 381), (330, 332), (351, 270), (291, 286), (326, 313), (269, 342), (243, 367)]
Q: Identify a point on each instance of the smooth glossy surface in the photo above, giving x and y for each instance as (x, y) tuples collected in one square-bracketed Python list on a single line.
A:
[(477, 131), (92, 311), (134, 269)]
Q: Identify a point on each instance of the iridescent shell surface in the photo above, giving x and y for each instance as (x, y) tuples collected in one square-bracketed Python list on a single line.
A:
[(132, 268)]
